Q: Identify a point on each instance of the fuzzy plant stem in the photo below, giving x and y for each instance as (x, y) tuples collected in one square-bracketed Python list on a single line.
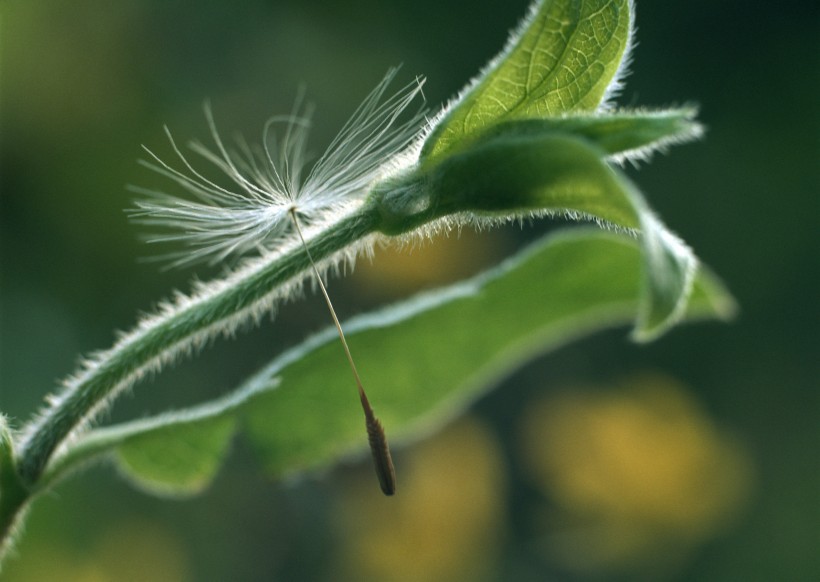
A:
[(176, 331), (14, 495)]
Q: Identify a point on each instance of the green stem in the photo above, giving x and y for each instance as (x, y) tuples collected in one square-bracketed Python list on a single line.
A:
[(14, 496), (174, 332)]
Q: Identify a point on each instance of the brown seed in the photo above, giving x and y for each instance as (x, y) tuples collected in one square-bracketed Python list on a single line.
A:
[(382, 460)]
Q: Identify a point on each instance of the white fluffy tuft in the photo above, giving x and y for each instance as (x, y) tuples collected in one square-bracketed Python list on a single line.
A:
[(267, 181)]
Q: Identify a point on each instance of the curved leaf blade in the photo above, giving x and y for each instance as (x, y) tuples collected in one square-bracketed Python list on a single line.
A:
[(621, 135), (668, 275), (565, 56), (424, 360), (176, 454), (525, 171), (178, 461), (563, 288)]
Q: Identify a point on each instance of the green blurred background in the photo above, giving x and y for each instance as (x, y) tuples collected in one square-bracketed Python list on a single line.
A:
[(694, 458)]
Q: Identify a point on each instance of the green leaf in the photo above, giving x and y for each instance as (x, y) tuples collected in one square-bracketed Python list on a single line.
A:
[(177, 461), (508, 174), (619, 134), (424, 360), (176, 453), (668, 273), (527, 172), (564, 57)]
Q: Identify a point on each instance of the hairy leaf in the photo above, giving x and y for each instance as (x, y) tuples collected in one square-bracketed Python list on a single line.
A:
[(424, 360), (176, 453), (529, 170), (564, 57), (620, 134)]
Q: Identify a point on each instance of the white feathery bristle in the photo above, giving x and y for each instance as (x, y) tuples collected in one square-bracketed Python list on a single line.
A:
[(267, 182)]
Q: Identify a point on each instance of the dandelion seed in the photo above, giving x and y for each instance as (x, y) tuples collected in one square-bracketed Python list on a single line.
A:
[(376, 438), (271, 191), (218, 222)]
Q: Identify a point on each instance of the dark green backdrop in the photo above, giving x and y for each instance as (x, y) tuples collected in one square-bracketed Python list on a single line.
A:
[(84, 83)]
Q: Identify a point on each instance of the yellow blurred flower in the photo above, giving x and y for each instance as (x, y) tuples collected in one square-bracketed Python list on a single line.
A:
[(445, 521), (639, 474)]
